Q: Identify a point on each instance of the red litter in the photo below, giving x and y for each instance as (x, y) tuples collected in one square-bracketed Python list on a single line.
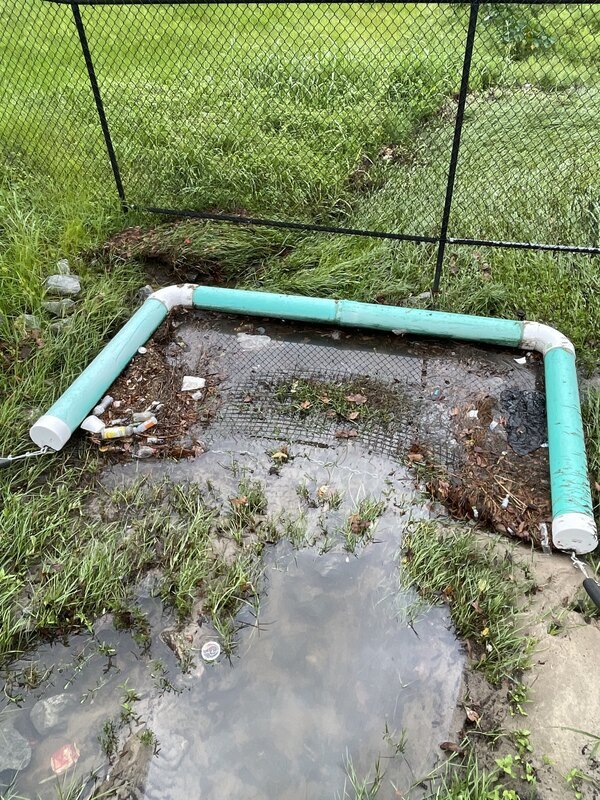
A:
[(64, 758)]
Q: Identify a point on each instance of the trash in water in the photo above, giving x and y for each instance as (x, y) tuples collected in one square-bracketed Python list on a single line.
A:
[(494, 424), (473, 414), (146, 425), (191, 383), (64, 758), (525, 419), (198, 395), (210, 651), (92, 424), (142, 350), (102, 405), (522, 360), (249, 341), (504, 503), (117, 403), (117, 432), (436, 393)]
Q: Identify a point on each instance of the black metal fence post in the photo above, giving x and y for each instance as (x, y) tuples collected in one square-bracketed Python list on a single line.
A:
[(99, 104), (458, 125)]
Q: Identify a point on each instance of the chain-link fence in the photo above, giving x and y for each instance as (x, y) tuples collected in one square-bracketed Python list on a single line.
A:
[(430, 122)]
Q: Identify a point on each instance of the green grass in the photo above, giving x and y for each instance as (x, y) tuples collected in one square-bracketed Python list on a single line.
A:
[(482, 588)]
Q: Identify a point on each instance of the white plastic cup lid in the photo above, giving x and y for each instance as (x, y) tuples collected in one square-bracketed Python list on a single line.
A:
[(211, 651)]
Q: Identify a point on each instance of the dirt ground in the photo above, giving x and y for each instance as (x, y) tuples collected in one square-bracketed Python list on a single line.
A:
[(563, 684)]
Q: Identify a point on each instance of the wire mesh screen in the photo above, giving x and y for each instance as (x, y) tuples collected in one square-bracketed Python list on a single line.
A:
[(347, 116)]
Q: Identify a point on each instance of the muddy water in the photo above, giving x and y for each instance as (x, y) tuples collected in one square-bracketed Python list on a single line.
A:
[(335, 667)]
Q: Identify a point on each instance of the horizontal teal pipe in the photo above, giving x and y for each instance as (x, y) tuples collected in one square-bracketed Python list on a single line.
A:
[(568, 467), (365, 315)]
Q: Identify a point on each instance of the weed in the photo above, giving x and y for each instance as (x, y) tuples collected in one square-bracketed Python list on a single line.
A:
[(149, 739), (109, 739), (518, 697), (362, 788)]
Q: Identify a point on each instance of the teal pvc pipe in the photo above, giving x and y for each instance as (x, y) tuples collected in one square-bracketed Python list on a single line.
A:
[(365, 315), (74, 405), (568, 464)]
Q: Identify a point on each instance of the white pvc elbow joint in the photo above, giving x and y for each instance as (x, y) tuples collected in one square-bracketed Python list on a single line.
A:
[(540, 337), (173, 296)]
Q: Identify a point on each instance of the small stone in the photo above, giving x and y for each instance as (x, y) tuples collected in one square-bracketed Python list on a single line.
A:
[(144, 293), (15, 751), (60, 325), (28, 322), (191, 383), (63, 285), (53, 712), (62, 267), (261, 331), (59, 308)]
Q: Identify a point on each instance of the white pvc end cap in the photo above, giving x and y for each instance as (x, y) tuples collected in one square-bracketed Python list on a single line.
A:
[(574, 531), (51, 432)]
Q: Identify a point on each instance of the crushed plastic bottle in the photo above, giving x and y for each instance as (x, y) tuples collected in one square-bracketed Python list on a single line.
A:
[(146, 425), (102, 405), (142, 416), (144, 452)]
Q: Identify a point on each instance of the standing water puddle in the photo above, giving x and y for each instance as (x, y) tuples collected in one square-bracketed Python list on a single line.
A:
[(338, 669)]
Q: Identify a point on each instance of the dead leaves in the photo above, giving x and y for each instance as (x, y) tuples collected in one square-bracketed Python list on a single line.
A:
[(358, 399), (346, 433)]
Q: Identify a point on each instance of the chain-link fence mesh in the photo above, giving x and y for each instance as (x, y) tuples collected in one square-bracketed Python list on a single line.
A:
[(334, 114)]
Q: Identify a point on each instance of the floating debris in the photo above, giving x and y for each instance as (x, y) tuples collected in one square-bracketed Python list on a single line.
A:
[(210, 651), (142, 416), (146, 425), (64, 758)]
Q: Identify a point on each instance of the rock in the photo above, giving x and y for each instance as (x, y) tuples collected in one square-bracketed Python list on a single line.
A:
[(63, 285), (53, 712), (59, 308), (60, 325), (28, 322), (191, 383), (144, 293), (62, 267), (15, 751)]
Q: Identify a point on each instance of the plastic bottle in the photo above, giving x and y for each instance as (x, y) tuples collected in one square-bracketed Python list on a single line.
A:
[(102, 405), (117, 432), (144, 426)]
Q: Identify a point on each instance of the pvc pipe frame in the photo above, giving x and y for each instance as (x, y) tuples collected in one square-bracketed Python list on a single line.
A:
[(573, 526)]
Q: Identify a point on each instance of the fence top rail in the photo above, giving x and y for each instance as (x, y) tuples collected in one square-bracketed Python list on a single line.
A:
[(319, 2)]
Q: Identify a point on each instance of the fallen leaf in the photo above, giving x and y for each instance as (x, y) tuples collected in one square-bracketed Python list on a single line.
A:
[(325, 400), (415, 456), (359, 399), (280, 456), (305, 404), (358, 524), (352, 415), (477, 607), (472, 715), (344, 433), (239, 501), (247, 399)]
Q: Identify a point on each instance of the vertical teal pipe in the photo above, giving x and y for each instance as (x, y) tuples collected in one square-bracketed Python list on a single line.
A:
[(365, 315), (568, 463), (74, 405)]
